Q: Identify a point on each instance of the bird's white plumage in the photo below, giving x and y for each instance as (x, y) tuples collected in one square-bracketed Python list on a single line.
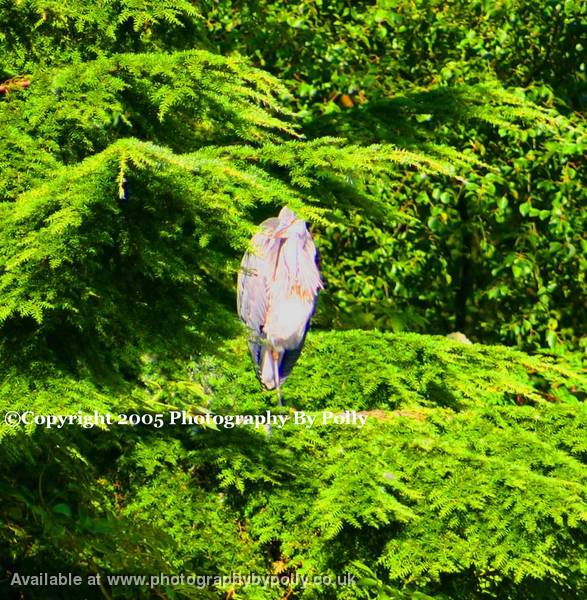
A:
[(286, 320), (277, 289)]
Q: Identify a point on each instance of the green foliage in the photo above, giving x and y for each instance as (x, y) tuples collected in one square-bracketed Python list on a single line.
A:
[(367, 50), (467, 478), (49, 32), (500, 255), (138, 151), (103, 74), (371, 371)]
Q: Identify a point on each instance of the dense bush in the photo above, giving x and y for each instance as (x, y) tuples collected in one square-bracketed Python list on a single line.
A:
[(468, 477), (368, 49), (500, 255), (137, 153)]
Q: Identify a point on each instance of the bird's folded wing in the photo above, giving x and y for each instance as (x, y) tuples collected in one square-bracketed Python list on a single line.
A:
[(253, 279), (252, 296)]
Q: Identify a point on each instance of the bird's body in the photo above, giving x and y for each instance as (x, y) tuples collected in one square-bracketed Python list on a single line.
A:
[(277, 289)]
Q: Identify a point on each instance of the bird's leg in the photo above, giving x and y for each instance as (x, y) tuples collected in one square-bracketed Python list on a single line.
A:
[(275, 356)]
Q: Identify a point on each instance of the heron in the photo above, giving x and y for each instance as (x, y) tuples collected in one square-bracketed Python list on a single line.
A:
[(277, 289)]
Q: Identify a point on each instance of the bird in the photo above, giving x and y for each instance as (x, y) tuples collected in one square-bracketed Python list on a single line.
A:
[(277, 290)]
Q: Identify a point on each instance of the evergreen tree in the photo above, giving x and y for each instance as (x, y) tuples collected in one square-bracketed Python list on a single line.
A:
[(135, 162)]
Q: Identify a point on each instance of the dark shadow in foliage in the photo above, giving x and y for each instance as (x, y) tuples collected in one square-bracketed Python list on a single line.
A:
[(409, 119), (131, 284), (61, 501)]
